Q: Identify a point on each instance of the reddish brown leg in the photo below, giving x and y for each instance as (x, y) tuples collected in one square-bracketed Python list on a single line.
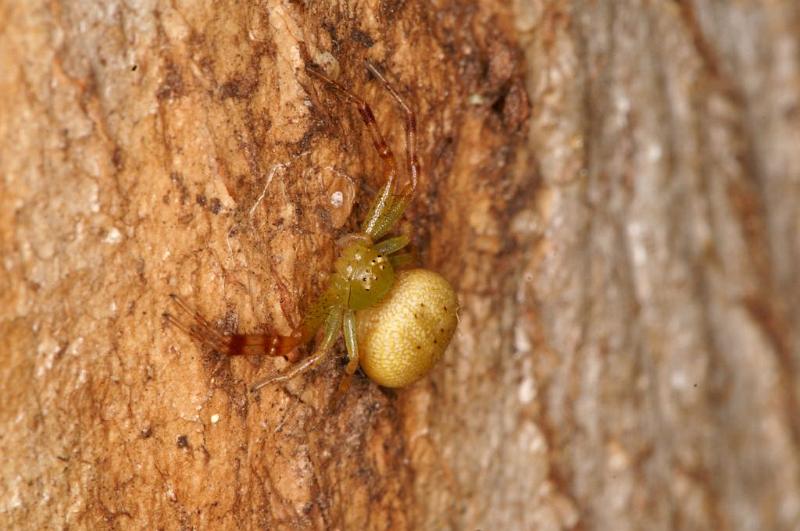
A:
[(412, 162), (389, 165), (369, 120), (199, 329)]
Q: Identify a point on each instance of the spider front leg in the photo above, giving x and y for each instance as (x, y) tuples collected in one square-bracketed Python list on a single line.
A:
[(390, 203), (391, 245), (389, 248), (383, 216)]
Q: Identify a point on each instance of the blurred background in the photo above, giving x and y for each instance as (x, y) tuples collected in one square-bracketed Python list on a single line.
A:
[(613, 188)]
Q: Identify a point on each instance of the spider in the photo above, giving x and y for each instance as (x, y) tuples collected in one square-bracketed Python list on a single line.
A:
[(396, 322)]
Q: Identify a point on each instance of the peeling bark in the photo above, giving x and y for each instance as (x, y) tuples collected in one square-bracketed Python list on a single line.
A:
[(612, 187)]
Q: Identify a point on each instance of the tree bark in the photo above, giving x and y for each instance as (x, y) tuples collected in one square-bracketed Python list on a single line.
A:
[(612, 187)]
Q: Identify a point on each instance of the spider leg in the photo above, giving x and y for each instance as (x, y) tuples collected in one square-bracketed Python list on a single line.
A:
[(199, 329), (383, 221), (401, 260), (412, 162), (333, 323), (351, 342), (383, 200), (391, 245)]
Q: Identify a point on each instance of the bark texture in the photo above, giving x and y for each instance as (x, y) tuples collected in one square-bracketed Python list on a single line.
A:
[(612, 187)]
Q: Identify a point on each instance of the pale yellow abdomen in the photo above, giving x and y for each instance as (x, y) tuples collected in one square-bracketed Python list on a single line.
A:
[(401, 338)]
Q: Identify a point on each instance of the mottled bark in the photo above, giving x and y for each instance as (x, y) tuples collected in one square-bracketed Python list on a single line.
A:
[(612, 187)]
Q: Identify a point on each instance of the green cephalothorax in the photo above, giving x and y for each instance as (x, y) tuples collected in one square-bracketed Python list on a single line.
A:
[(369, 274)]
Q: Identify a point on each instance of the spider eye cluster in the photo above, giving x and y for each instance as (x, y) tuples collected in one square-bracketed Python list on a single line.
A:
[(370, 272), (369, 275)]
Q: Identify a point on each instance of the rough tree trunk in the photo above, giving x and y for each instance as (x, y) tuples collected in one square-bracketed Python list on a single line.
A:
[(613, 187)]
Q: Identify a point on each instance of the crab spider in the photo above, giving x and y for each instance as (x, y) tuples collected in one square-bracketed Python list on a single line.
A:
[(396, 323)]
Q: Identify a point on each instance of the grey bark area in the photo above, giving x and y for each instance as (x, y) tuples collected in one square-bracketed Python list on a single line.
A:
[(613, 188)]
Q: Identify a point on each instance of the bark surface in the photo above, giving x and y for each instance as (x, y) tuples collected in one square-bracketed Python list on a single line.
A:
[(612, 187)]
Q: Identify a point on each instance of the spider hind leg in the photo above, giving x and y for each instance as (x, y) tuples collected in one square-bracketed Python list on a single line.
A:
[(201, 330), (333, 324)]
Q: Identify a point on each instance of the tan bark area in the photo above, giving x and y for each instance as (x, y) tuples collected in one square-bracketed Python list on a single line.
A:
[(612, 187)]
